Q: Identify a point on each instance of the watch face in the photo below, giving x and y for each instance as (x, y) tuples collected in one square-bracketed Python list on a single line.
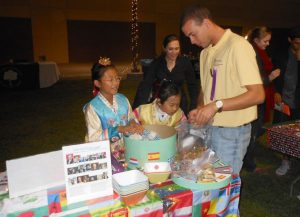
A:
[(219, 104)]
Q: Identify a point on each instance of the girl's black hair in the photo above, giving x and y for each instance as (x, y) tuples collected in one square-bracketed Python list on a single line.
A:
[(168, 89), (98, 70)]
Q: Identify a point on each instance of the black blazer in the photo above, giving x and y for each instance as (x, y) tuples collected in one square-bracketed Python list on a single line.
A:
[(181, 73)]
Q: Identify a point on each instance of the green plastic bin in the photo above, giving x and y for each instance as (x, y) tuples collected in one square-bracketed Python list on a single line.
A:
[(138, 152)]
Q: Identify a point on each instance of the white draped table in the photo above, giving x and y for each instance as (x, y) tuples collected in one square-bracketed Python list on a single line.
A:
[(48, 73)]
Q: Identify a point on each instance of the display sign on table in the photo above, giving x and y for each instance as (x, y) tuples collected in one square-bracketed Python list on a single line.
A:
[(87, 169), (34, 173)]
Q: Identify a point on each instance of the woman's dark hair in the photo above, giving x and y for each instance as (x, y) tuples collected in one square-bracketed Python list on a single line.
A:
[(168, 89), (258, 32), (168, 39), (98, 70)]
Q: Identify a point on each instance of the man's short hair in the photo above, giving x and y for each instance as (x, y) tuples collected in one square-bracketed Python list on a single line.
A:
[(197, 13)]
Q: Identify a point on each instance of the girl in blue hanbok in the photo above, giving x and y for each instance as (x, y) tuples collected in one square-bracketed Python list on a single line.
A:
[(109, 114)]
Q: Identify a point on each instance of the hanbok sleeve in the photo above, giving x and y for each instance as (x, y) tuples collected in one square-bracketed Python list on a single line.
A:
[(181, 120), (136, 113), (93, 125), (131, 115)]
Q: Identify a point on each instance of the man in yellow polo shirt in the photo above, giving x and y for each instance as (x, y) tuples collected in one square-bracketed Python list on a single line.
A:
[(231, 85)]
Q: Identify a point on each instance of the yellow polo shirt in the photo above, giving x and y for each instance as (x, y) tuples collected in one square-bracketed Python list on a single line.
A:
[(234, 60)]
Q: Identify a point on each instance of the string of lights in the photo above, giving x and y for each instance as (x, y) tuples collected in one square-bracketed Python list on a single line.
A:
[(134, 35)]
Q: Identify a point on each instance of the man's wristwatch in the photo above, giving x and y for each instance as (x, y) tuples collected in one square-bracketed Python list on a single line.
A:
[(219, 105)]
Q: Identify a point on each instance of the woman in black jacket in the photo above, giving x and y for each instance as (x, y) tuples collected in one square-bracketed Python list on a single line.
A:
[(170, 65)]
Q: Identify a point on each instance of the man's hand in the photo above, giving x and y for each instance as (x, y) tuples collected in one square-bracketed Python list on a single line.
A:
[(277, 98), (274, 74), (202, 115)]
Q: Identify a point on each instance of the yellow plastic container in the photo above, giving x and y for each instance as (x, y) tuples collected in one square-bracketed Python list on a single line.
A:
[(157, 171), (158, 177)]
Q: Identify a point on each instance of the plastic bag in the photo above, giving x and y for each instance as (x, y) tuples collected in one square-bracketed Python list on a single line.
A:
[(191, 135), (194, 154)]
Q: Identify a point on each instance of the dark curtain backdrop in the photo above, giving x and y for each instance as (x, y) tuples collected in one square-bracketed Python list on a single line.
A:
[(15, 40), (279, 42), (88, 40)]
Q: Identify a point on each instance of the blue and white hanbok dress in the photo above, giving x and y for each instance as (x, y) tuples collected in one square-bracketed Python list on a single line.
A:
[(102, 121)]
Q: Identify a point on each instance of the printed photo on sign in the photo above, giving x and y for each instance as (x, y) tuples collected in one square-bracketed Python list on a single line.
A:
[(88, 172)]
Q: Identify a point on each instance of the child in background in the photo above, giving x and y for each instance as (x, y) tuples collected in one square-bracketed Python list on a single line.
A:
[(109, 114), (164, 110)]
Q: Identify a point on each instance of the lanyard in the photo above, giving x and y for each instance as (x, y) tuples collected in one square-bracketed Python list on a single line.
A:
[(214, 80)]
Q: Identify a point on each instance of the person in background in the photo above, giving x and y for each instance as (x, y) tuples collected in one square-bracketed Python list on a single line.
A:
[(109, 114), (260, 37), (164, 110), (287, 88), (170, 65), (231, 86)]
